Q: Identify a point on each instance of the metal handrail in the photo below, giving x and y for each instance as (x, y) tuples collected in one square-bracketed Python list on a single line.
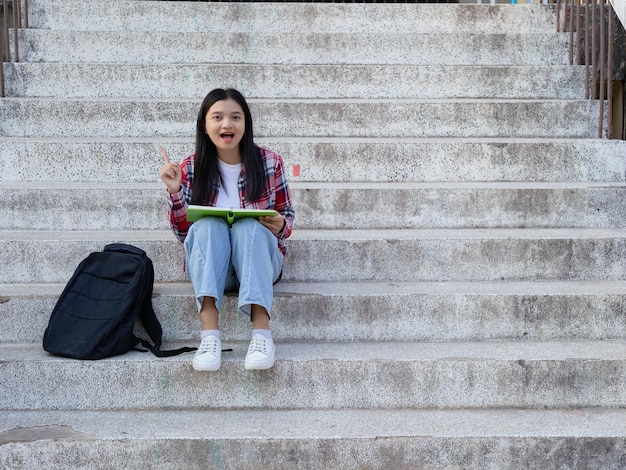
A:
[(19, 19), (593, 41), (598, 77)]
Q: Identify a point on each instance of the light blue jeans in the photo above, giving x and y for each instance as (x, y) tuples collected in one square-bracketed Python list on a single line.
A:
[(220, 259)]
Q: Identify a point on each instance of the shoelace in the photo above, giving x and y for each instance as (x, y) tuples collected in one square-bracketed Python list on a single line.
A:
[(208, 344), (258, 344)]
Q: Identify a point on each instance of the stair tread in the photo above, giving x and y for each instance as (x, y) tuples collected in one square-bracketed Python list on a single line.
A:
[(333, 185), (330, 140), (446, 351), (276, 102), (162, 68), (333, 234), (317, 17), (369, 288), (321, 424)]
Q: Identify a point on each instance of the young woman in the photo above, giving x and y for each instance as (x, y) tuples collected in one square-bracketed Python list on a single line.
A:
[(229, 170)]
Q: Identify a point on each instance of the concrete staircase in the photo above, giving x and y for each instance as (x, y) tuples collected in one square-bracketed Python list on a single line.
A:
[(455, 292)]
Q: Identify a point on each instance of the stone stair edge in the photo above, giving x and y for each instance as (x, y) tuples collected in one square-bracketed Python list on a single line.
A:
[(249, 37), (292, 48), (409, 159), (412, 254), (387, 375), (328, 424), (303, 185), (448, 68), (343, 311), (523, 118), (508, 350), (122, 34), (276, 81), (246, 11), (348, 439), (332, 205), (285, 101), (398, 29), (286, 288), (331, 140), (495, 233)]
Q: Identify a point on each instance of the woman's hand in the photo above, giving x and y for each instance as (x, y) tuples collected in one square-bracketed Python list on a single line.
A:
[(274, 223), (171, 173)]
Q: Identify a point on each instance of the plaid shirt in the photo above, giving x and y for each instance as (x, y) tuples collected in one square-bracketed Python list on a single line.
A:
[(275, 195)]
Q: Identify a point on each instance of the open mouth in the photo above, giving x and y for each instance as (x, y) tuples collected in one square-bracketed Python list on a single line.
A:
[(227, 136)]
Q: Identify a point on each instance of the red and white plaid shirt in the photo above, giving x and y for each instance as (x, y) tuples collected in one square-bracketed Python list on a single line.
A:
[(275, 195)]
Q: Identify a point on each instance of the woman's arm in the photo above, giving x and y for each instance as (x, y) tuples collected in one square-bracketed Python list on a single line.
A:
[(283, 203), (176, 178)]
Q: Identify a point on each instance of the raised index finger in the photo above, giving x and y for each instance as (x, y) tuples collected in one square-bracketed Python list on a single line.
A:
[(166, 157)]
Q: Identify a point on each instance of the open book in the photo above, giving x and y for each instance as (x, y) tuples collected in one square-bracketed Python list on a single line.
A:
[(230, 215)]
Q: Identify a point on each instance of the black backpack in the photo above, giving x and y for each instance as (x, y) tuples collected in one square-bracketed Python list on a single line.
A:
[(95, 315)]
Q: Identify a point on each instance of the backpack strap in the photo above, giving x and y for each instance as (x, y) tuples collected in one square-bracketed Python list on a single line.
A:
[(159, 352), (153, 328)]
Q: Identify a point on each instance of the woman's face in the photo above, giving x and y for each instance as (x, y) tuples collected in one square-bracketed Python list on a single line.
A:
[(225, 125)]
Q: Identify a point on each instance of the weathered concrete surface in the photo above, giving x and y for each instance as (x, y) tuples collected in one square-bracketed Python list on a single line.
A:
[(382, 311), (350, 439), (330, 159), (388, 375)]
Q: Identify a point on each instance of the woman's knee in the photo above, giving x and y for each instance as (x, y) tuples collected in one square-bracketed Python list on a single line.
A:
[(245, 224), (209, 224), (207, 233), (207, 227), (250, 230)]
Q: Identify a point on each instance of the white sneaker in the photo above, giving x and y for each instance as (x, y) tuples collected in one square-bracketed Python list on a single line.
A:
[(260, 353), (209, 354)]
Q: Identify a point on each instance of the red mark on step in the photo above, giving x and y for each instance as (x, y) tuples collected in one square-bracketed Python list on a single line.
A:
[(296, 170)]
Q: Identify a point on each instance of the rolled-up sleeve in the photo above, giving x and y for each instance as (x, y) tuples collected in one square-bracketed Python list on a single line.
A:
[(282, 201), (179, 202)]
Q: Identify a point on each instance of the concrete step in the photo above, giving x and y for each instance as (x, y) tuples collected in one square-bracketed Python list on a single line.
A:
[(155, 47), (59, 206), (230, 17), (315, 118), (296, 81), (347, 439), (390, 375), (368, 311), (352, 255), (329, 159)]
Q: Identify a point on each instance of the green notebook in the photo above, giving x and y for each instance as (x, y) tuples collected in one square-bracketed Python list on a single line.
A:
[(231, 215)]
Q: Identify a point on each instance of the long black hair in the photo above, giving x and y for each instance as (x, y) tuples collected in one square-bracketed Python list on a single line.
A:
[(206, 170)]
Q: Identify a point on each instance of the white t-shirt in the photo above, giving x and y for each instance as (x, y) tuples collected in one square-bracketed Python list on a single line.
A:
[(228, 194)]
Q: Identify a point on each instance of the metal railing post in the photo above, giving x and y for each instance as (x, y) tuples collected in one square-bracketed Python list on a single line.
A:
[(578, 45), (4, 43), (5, 29), (602, 66), (19, 19), (594, 59), (587, 44), (609, 78), (16, 25), (571, 31), (2, 93)]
